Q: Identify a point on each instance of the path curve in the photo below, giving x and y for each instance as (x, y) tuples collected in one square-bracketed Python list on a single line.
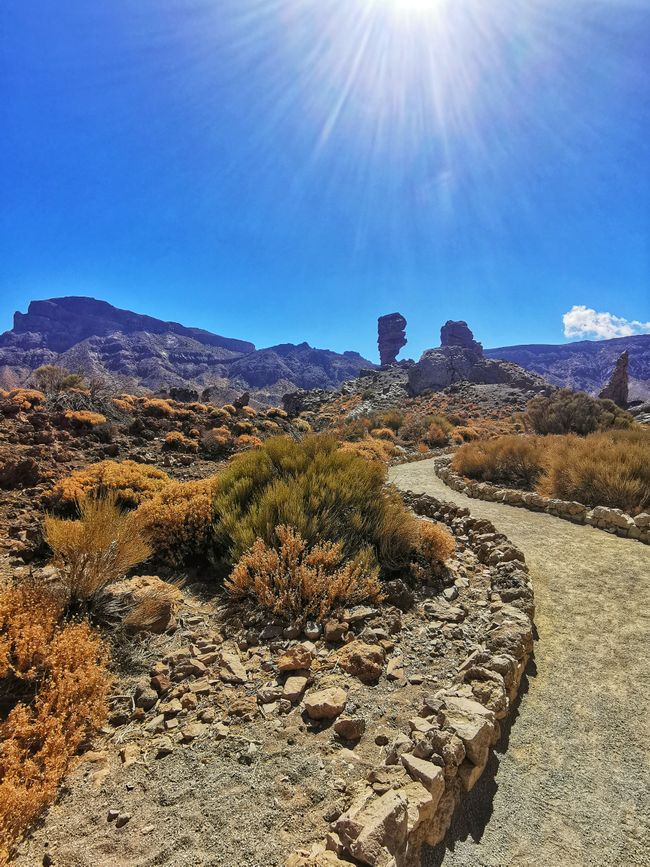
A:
[(570, 781)]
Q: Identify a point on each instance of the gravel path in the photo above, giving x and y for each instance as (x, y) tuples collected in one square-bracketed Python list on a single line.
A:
[(570, 782)]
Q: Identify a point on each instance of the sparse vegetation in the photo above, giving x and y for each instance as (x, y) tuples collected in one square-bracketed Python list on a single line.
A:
[(178, 442), (610, 468), (91, 552), (567, 411), (54, 686), (84, 418), (51, 378), (130, 482), (290, 579)]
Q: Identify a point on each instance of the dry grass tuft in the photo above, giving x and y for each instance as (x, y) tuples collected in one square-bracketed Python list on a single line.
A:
[(130, 482), (435, 542), (513, 460), (83, 418), (95, 550), (55, 686), (297, 582), (176, 441)]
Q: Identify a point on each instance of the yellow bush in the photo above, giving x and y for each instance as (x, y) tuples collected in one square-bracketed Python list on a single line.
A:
[(26, 397), (295, 582), (66, 667), (159, 408), (177, 441), (300, 424), (371, 449), (268, 425), (244, 427), (230, 409), (131, 482), (84, 418), (276, 412), (178, 520), (99, 547), (508, 460), (246, 441), (382, 433), (250, 411), (216, 412), (123, 405), (435, 542)]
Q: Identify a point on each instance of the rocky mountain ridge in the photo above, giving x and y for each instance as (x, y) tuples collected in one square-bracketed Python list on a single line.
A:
[(137, 352)]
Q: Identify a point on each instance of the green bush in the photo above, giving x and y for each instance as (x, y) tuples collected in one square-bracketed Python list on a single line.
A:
[(323, 492), (568, 411)]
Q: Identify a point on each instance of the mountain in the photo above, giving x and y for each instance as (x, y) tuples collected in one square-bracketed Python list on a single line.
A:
[(137, 352), (585, 365)]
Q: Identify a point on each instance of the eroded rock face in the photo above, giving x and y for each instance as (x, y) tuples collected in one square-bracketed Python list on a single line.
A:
[(617, 387), (391, 336), (459, 334)]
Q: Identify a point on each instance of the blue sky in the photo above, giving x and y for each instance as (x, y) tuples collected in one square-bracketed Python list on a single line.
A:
[(287, 170)]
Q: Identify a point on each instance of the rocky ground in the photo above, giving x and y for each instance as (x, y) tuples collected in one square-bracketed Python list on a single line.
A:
[(569, 783)]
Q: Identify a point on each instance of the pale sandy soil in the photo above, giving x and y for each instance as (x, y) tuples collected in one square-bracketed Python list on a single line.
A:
[(570, 784)]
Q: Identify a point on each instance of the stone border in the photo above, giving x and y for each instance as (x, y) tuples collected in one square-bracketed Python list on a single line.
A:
[(613, 521), (409, 801)]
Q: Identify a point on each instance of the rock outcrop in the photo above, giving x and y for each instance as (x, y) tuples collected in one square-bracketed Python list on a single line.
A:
[(391, 337), (618, 384), (460, 359)]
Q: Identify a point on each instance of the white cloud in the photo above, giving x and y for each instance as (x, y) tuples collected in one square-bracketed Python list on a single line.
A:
[(584, 322)]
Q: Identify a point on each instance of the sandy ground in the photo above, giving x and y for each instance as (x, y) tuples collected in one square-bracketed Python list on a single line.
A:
[(570, 782)]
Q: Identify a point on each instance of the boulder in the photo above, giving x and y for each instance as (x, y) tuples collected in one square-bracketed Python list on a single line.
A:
[(326, 703), (365, 661), (459, 334)]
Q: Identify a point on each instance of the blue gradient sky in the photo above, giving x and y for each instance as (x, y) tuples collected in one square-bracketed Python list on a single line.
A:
[(287, 170)]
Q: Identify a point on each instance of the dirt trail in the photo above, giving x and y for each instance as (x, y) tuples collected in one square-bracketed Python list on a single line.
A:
[(570, 783)]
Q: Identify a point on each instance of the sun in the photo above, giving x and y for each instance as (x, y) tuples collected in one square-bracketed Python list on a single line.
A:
[(412, 6)]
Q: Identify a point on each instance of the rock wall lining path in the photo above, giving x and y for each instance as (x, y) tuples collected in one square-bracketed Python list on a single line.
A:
[(611, 520), (573, 786)]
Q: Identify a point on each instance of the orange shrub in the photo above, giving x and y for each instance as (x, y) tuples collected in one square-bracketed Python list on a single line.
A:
[(178, 442), (249, 411), (371, 449), (178, 520), (295, 582), (84, 418), (435, 542), (230, 409), (27, 398), (508, 460), (217, 442), (246, 441), (276, 412), (159, 408), (67, 669), (382, 433), (244, 427), (131, 482), (123, 405)]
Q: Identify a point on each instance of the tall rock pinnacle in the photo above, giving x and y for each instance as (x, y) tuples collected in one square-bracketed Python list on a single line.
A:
[(391, 336)]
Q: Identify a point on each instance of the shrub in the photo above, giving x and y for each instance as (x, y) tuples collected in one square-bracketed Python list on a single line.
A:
[(268, 425), (60, 675), (433, 430), (464, 434), (178, 442), (246, 441), (603, 469), (249, 411), (276, 412), (84, 418), (230, 409), (508, 460), (129, 481), (435, 542), (159, 408), (219, 414), (300, 424), (217, 442), (323, 492), (370, 449), (178, 520), (382, 433), (567, 411), (26, 398), (244, 427), (291, 580), (99, 547), (50, 378)]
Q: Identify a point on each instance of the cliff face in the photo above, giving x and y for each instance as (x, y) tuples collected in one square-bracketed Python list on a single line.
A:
[(138, 352), (586, 365)]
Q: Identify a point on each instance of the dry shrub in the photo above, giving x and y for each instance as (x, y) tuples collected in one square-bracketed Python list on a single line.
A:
[(83, 418), (300, 424), (146, 603), (246, 441), (26, 398), (178, 520), (294, 581), (463, 434), (249, 411), (175, 441), (435, 542), (219, 414), (217, 442), (60, 675), (132, 483), (159, 408), (244, 427), (100, 547), (382, 433), (422, 448), (603, 469), (123, 405), (371, 449), (433, 430), (513, 460), (276, 412), (268, 425), (567, 411), (230, 409)]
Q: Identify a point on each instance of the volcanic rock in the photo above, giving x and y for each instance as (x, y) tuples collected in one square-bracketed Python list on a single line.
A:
[(458, 334), (391, 337), (617, 387)]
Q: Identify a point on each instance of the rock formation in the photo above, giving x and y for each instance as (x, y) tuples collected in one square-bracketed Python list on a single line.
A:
[(458, 334), (391, 337), (618, 384), (460, 359)]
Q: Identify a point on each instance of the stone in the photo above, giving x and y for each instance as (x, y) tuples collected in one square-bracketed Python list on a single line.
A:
[(618, 383), (297, 657), (459, 334), (430, 775), (375, 828), (472, 723), (122, 820), (391, 337), (232, 670), (350, 728), (294, 688), (365, 661), (192, 731), (129, 754), (326, 703), (395, 668), (145, 697), (127, 594)]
